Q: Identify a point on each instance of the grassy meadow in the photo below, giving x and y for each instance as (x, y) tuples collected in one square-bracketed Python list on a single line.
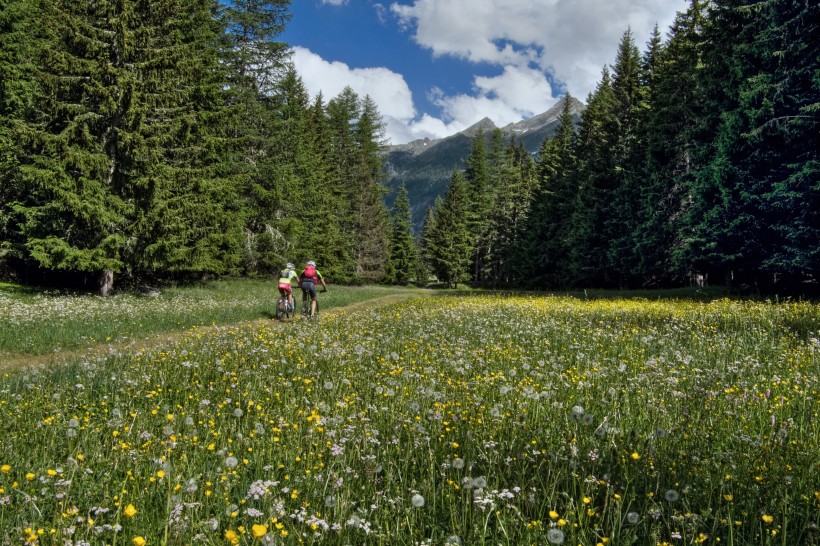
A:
[(36, 322), (474, 420)]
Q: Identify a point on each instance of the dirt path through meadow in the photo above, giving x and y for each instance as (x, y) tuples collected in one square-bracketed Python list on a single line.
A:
[(168, 339)]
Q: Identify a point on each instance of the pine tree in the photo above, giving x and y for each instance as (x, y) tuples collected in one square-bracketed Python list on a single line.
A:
[(627, 150), (589, 238), (480, 198), (515, 182), (426, 242), (726, 237), (671, 128), (449, 241), (403, 260), (325, 205), (544, 251), (188, 213), (370, 217), (17, 47), (70, 201), (781, 145), (267, 105), (286, 173)]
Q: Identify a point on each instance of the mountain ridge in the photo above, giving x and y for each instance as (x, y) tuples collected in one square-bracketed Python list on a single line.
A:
[(424, 166)]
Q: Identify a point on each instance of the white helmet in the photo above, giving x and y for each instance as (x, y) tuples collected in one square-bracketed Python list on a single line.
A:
[(311, 262), (290, 266)]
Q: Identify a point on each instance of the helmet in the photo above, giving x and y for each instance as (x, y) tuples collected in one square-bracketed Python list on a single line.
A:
[(311, 262), (290, 266)]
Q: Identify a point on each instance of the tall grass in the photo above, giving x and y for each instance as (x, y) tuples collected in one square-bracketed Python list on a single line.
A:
[(481, 420), (44, 322)]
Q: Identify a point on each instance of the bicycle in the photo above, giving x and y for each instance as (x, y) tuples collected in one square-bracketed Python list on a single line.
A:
[(284, 309), (306, 309)]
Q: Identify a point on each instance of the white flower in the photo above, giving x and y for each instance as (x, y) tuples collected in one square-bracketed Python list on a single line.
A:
[(417, 501), (555, 536)]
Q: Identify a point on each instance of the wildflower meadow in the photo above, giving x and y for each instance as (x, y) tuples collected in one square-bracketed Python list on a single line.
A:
[(440, 420)]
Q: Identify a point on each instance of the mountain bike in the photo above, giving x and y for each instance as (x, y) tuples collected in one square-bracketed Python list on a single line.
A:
[(284, 309), (306, 309)]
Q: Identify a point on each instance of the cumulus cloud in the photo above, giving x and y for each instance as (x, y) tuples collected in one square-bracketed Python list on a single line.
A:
[(526, 40), (570, 39), (387, 88)]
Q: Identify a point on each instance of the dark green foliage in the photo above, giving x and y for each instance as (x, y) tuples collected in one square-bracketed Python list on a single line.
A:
[(544, 252), (447, 238), (671, 134), (173, 139), (753, 216), (403, 262), (595, 170)]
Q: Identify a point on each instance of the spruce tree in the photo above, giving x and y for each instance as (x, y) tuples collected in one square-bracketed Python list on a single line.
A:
[(403, 260), (726, 237), (449, 243), (70, 202), (189, 219), (544, 251), (480, 198), (671, 129), (370, 217), (589, 238), (627, 149)]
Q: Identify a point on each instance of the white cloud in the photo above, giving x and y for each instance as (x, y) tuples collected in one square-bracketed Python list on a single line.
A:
[(511, 96), (572, 39), (387, 88), (334, 2)]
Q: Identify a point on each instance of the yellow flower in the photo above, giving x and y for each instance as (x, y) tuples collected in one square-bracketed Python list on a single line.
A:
[(635, 456), (259, 530), (728, 497), (51, 472), (767, 518), (160, 474), (553, 514), (562, 522), (5, 469), (30, 476), (138, 541), (231, 536), (130, 511), (587, 500)]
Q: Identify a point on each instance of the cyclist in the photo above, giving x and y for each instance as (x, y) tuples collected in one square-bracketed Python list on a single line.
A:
[(285, 286), (308, 280)]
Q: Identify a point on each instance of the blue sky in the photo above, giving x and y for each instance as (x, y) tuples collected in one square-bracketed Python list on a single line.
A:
[(435, 67)]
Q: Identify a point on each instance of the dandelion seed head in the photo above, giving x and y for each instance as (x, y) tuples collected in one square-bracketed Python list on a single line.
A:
[(417, 501), (555, 536)]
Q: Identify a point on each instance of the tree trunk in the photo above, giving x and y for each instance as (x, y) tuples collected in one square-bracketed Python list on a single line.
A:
[(106, 282)]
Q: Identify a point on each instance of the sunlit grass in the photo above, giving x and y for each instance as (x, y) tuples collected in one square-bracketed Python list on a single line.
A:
[(43, 322), (445, 420)]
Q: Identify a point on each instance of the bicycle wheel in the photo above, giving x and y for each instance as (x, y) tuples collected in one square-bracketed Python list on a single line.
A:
[(281, 309)]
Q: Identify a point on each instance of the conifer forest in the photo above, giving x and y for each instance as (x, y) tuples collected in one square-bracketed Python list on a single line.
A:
[(174, 140)]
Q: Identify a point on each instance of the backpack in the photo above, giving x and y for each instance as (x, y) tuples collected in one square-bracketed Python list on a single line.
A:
[(310, 272)]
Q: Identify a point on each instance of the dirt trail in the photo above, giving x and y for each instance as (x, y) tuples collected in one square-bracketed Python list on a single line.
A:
[(167, 339)]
